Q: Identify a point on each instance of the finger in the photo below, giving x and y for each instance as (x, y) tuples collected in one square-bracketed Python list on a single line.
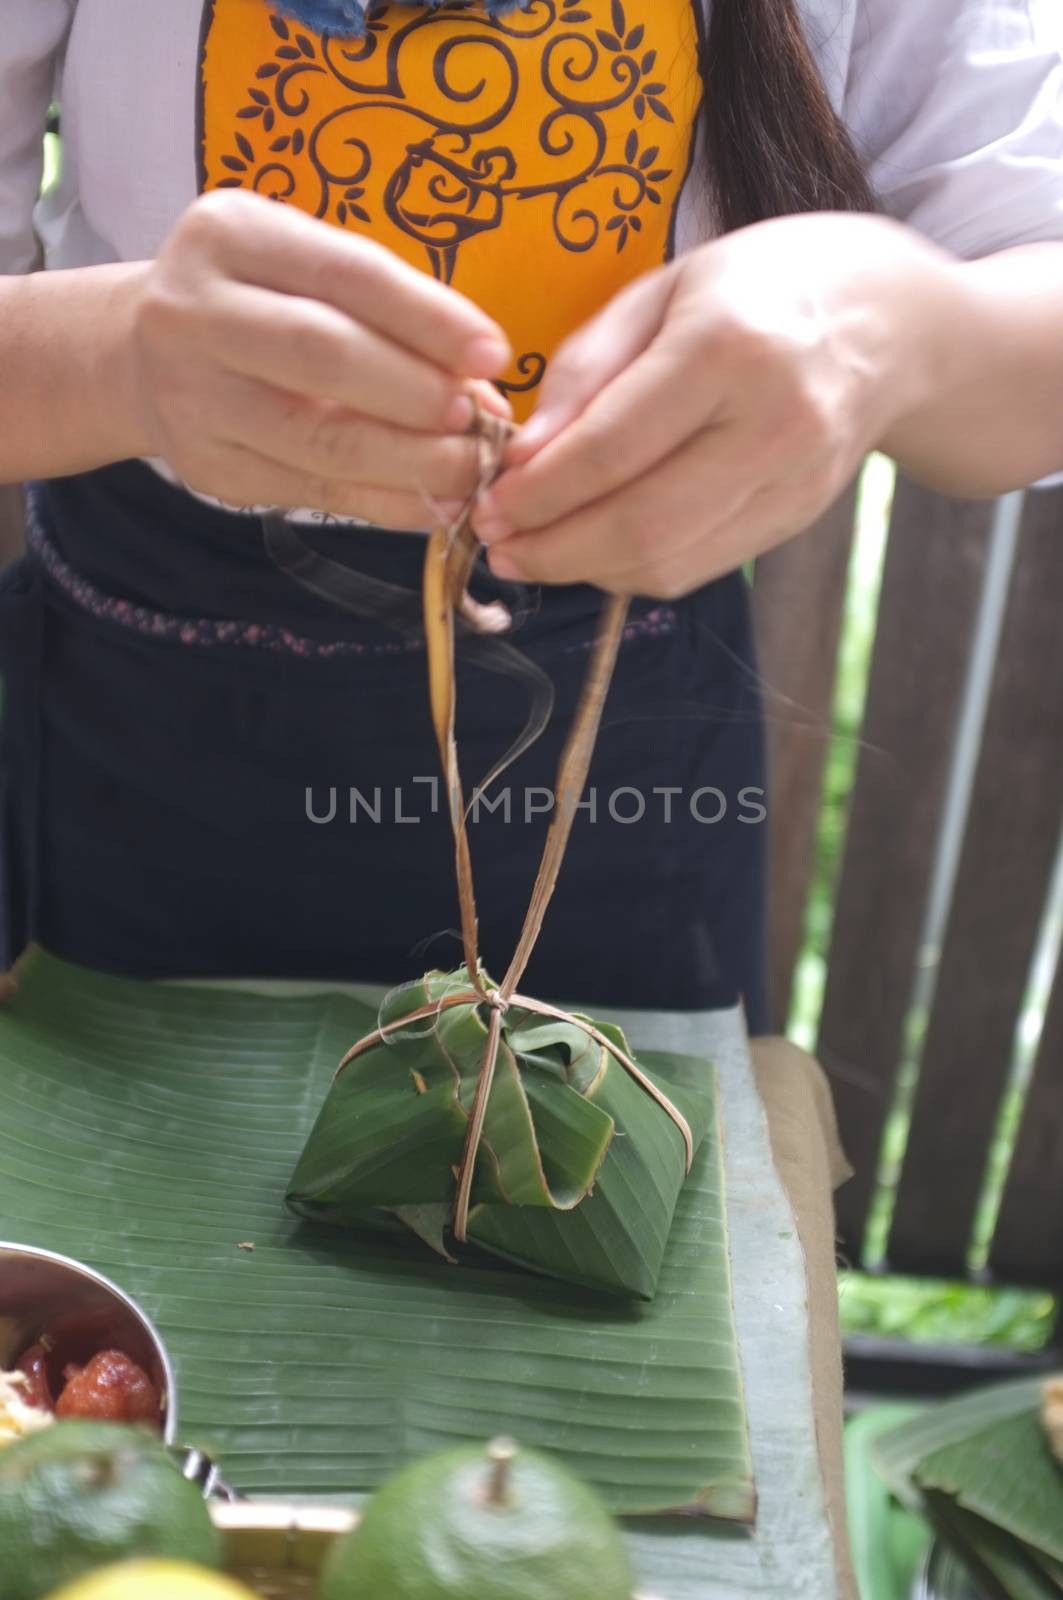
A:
[(592, 357), (281, 248), (637, 421), (763, 524), (490, 399), (311, 349), (332, 441), (646, 525), (251, 479)]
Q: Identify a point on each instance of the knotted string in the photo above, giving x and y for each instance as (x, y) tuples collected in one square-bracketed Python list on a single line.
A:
[(449, 559)]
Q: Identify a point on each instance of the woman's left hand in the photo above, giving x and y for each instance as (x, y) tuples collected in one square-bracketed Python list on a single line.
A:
[(717, 406)]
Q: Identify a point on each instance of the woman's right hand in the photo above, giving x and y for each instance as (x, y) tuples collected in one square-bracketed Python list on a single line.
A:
[(276, 360)]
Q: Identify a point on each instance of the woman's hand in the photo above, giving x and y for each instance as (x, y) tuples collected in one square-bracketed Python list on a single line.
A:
[(718, 406), (276, 360)]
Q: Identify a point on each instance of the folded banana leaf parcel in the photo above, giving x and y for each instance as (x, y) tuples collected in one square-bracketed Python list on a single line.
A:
[(582, 1155), (473, 1114)]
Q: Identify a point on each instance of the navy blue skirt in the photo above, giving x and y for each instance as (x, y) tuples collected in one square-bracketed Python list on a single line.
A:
[(206, 771)]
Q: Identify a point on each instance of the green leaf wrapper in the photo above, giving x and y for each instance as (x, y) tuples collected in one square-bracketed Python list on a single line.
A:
[(579, 1167)]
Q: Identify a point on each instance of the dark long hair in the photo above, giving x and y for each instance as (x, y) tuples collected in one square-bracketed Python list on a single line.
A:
[(776, 145)]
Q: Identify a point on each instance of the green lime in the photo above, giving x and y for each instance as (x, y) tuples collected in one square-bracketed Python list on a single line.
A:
[(496, 1523), (78, 1495)]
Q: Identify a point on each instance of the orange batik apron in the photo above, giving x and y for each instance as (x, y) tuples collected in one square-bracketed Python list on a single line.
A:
[(534, 160)]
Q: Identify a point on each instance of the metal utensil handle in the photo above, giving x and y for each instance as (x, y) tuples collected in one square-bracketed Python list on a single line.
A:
[(203, 1472)]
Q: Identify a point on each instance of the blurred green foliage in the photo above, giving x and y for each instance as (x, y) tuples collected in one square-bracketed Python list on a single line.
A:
[(53, 162), (857, 640), (932, 1312)]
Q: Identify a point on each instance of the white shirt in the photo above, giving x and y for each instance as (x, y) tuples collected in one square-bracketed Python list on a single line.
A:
[(957, 106)]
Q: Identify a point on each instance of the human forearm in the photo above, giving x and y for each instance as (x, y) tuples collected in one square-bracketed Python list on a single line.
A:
[(991, 416), (267, 357), (66, 397), (719, 406)]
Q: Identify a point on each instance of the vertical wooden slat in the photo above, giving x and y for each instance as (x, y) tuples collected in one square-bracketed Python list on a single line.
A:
[(798, 601), (1006, 865), (1028, 1241), (932, 583), (11, 522)]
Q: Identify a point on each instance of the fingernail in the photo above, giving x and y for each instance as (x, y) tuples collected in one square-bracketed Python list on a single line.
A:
[(450, 508), (460, 414), (491, 397), (491, 529), (486, 357), (502, 565)]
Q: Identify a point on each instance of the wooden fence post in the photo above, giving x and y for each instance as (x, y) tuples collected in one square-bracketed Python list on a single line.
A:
[(798, 600)]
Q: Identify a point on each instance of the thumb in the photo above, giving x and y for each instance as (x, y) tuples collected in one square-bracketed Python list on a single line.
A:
[(490, 399), (591, 358)]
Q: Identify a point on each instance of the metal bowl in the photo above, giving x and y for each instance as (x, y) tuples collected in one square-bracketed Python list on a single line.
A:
[(42, 1292)]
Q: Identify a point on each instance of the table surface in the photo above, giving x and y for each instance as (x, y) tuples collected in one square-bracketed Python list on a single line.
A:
[(792, 1549)]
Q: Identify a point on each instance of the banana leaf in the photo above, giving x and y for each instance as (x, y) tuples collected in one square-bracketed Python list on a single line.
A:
[(1004, 1474), (151, 1130), (898, 1453), (579, 1166), (981, 1467), (1001, 1566)]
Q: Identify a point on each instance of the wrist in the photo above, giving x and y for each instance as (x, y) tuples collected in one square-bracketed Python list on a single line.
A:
[(117, 362), (924, 297), (872, 293), (67, 403)]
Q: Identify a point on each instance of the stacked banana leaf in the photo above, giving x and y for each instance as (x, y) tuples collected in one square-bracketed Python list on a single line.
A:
[(582, 1156), (983, 1469), (150, 1131)]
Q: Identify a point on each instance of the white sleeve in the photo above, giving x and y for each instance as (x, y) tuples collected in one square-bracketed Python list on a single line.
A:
[(958, 107), (32, 33)]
